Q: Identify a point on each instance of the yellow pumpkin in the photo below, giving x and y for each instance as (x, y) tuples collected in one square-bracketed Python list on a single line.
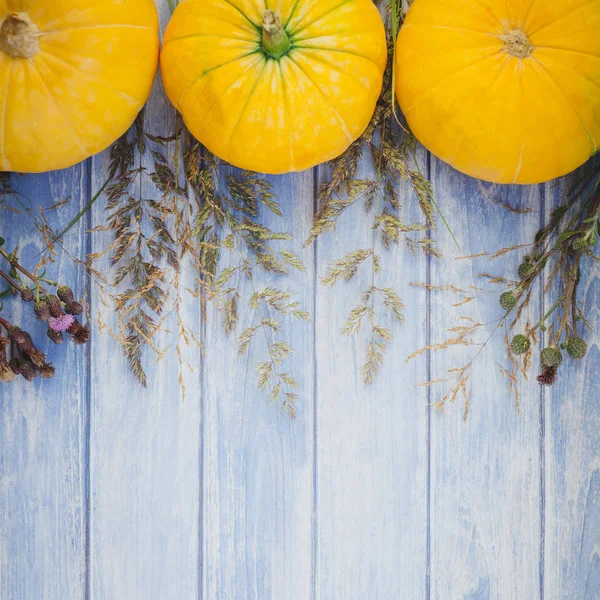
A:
[(73, 76), (275, 90), (506, 91)]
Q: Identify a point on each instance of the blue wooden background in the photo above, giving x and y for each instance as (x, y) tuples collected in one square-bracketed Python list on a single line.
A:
[(112, 492)]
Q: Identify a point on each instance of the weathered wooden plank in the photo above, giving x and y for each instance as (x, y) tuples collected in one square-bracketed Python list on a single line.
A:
[(485, 473), (257, 503), (43, 425), (145, 444), (572, 451), (371, 440)]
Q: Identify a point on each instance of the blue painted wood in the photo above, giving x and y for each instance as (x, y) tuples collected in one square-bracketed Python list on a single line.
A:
[(572, 452), (144, 444), (109, 491), (43, 425), (257, 468), (485, 473), (371, 441)]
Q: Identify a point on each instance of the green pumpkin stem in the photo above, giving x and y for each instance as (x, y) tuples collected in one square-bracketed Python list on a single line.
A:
[(275, 41)]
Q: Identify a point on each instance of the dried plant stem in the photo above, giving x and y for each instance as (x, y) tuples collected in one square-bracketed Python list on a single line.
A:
[(11, 281), (82, 212), (569, 301), (20, 268)]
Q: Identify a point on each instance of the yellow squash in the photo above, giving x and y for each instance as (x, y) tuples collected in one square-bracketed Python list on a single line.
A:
[(507, 91), (73, 76), (275, 87)]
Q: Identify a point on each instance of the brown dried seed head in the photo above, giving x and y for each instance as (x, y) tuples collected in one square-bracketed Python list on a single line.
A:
[(74, 308), (42, 310), (54, 306), (47, 371), (65, 294), (27, 370), (27, 295), (55, 336), (82, 336)]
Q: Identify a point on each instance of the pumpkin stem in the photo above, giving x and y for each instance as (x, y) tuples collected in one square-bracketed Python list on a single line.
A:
[(275, 41), (517, 43), (19, 36)]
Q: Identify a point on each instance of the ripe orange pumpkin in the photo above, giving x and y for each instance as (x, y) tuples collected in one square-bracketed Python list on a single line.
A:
[(73, 76), (275, 91), (507, 91)]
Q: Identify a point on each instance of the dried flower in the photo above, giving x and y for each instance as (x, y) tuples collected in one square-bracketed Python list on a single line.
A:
[(54, 306), (55, 336), (61, 323), (42, 310), (15, 366), (82, 336), (65, 294), (27, 370), (21, 338), (27, 295), (525, 270), (46, 371), (508, 301), (37, 357), (520, 344), (576, 348), (6, 373), (551, 357), (74, 308), (548, 376), (580, 244), (75, 327)]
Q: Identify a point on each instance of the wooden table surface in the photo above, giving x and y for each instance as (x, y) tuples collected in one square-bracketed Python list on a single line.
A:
[(112, 492)]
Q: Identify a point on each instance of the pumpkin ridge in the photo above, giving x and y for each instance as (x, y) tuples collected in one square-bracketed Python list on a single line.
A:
[(92, 77), (334, 66), (3, 157), (323, 49), (333, 110), (594, 83), (291, 14), (107, 26), (243, 14), (287, 112), (294, 33), (196, 35), (569, 102), (250, 94), (50, 95), (529, 12), (450, 76), (566, 14), (522, 149), (489, 11), (520, 163), (482, 107), (567, 50), (508, 14), (197, 79), (458, 29)]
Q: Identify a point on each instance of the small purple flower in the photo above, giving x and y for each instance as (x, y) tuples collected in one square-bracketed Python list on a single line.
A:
[(61, 323)]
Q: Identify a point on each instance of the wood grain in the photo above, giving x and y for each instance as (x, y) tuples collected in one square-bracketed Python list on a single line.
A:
[(43, 426), (257, 461), (109, 491), (485, 472), (572, 452), (145, 443), (371, 441)]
